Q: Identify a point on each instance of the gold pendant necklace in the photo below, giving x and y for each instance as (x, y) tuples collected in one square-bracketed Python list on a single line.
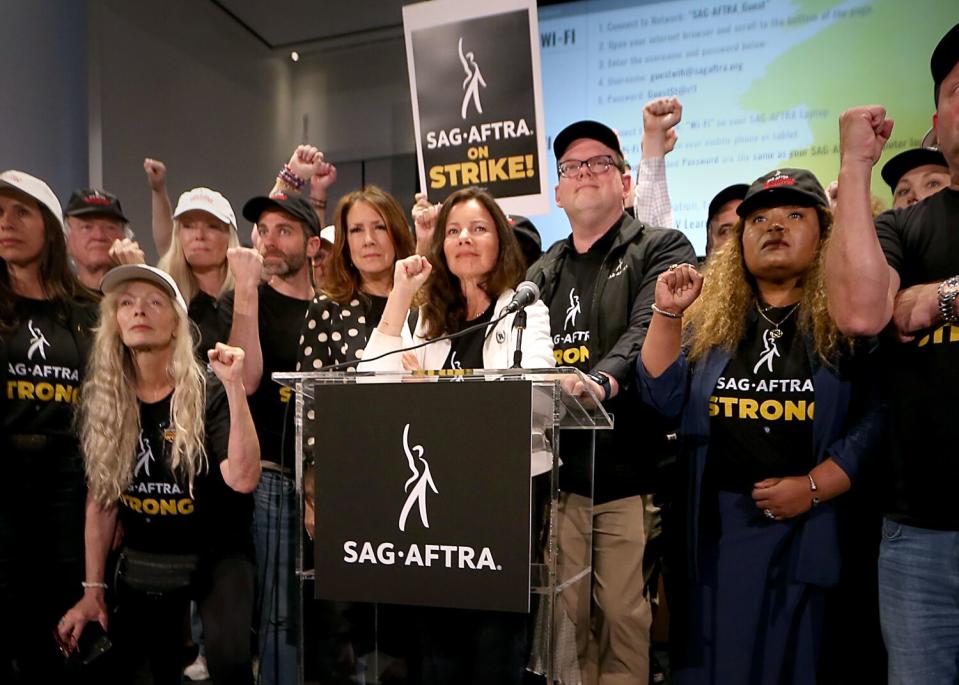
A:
[(776, 332)]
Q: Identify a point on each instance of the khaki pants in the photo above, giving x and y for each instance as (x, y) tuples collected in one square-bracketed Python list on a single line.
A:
[(611, 614)]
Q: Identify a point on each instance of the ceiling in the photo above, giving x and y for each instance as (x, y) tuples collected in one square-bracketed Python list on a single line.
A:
[(282, 24)]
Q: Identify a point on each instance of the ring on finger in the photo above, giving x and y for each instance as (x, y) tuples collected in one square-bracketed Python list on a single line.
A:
[(769, 514)]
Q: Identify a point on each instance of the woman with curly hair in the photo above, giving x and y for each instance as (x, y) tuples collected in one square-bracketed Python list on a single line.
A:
[(46, 317), (169, 452), (776, 417)]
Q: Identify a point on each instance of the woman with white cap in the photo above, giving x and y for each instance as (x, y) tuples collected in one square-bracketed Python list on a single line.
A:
[(204, 228), (167, 449), (45, 320)]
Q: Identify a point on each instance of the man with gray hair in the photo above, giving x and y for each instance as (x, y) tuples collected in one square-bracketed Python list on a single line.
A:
[(93, 222)]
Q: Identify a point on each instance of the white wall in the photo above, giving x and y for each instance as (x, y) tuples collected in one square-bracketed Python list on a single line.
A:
[(181, 82)]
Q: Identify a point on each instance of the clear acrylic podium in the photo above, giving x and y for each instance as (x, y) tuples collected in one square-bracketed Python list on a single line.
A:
[(551, 579)]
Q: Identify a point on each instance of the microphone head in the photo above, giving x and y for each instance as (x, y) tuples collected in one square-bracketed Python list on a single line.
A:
[(528, 290), (526, 294)]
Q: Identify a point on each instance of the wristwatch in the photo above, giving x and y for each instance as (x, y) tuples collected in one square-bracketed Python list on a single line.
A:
[(602, 380), (948, 291)]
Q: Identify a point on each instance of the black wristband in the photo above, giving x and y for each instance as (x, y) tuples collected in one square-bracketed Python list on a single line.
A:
[(602, 380)]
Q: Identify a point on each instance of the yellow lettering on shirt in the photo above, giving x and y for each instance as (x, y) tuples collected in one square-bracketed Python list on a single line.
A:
[(44, 392), (768, 410), (571, 355), (938, 336), (161, 507)]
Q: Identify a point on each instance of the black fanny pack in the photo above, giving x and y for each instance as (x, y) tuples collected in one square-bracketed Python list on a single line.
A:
[(156, 574)]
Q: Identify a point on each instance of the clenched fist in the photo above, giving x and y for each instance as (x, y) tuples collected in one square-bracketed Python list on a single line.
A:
[(227, 363), (246, 264), (156, 173), (677, 288), (863, 132), (660, 117)]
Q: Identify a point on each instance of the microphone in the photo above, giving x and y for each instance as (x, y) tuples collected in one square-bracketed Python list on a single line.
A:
[(526, 294)]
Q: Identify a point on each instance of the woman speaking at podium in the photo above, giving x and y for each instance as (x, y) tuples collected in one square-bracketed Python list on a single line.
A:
[(468, 278)]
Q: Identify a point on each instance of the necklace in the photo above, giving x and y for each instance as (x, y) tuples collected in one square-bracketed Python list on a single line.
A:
[(776, 332)]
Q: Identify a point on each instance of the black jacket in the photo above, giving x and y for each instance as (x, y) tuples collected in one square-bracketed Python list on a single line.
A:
[(629, 458)]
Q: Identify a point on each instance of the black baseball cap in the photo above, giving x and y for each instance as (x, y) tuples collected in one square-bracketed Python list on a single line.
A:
[(907, 160), (87, 201), (781, 187), (586, 129), (944, 58), (294, 205), (737, 191)]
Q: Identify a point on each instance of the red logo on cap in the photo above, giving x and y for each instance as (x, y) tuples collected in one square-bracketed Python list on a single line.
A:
[(779, 179), (96, 200), (279, 196)]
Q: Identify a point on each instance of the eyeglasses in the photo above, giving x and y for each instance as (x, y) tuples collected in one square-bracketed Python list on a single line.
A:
[(599, 164)]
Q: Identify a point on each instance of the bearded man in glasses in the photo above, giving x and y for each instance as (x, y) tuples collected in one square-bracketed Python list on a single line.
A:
[(598, 284)]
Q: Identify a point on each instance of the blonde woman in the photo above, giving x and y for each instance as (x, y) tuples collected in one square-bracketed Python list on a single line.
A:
[(775, 420), (172, 454), (204, 228)]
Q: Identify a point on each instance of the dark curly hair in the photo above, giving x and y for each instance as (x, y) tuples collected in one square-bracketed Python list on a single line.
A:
[(444, 308)]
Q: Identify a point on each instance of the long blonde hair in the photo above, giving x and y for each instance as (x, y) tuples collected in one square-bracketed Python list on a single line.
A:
[(110, 412), (718, 318), (174, 263)]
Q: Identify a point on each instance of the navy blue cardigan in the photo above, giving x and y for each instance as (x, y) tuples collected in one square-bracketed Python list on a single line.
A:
[(846, 427)]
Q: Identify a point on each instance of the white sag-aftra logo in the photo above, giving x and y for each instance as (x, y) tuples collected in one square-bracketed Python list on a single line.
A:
[(472, 82), (38, 343), (420, 482), (388, 553)]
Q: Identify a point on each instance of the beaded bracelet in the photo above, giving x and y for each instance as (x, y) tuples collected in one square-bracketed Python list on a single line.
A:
[(289, 177), (86, 585)]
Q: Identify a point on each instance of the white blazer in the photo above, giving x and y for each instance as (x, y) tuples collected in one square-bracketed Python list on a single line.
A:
[(497, 350)]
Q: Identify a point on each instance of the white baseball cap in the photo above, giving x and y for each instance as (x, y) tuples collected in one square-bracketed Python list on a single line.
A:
[(35, 188), (143, 272), (208, 201)]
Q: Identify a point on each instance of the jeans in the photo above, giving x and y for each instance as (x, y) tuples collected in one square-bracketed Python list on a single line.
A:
[(919, 603), (274, 531)]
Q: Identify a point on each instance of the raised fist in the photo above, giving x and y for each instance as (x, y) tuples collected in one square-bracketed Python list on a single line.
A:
[(303, 159), (227, 363), (863, 132), (156, 173), (660, 117), (324, 175), (678, 287), (246, 264), (411, 273)]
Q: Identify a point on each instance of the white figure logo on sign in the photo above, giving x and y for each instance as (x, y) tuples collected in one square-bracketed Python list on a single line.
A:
[(420, 481), (472, 82)]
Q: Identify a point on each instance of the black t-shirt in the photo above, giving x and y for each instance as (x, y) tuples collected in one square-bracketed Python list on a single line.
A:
[(466, 352), (204, 312), (158, 511), (44, 371), (569, 311), (280, 321), (921, 378), (569, 314), (762, 407)]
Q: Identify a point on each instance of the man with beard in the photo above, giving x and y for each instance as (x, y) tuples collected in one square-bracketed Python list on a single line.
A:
[(265, 320)]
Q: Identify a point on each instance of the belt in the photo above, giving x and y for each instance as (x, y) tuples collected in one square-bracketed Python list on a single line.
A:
[(276, 468)]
